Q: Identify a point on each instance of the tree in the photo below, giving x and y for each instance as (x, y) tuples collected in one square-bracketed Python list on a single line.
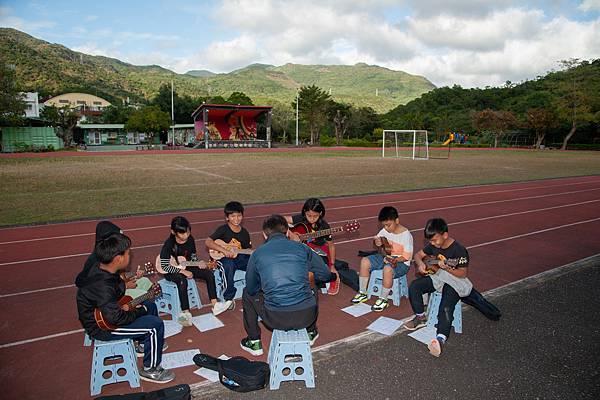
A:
[(149, 120), (12, 106), (540, 120), (572, 104), (281, 118), (115, 114), (497, 122), (313, 107), (239, 98), (64, 119)]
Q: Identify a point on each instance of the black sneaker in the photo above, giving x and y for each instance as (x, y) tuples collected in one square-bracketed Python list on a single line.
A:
[(416, 323), (253, 347), (139, 348), (157, 374)]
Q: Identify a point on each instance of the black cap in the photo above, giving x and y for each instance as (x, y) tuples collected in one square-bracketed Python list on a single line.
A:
[(104, 229)]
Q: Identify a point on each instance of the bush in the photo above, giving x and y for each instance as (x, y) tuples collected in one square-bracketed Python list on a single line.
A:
[(327, 141), (359, 143)]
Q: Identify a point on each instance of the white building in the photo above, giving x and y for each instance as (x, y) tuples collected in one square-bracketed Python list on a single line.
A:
[(33, 106)]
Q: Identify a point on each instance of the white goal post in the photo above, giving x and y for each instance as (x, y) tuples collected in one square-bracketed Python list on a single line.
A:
[(413, 144)]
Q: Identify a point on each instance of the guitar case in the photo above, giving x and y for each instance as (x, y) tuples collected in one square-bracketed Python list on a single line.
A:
[(178, 392)]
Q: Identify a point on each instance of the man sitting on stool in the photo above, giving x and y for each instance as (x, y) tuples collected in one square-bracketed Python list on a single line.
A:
[(278, 288)]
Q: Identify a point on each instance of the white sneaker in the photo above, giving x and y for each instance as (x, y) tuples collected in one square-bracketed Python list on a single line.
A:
[(185, 319), (221, 306)]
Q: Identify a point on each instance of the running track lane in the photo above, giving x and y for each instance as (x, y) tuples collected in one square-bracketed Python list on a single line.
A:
[(512, 230)]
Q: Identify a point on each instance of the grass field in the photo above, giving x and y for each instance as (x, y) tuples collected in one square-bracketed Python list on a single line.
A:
[(55, 189)]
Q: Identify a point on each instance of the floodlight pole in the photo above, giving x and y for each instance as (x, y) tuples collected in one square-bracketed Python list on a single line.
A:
[(297, 101)]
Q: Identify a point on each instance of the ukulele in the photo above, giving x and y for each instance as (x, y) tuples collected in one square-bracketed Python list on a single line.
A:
[(131, 275), (126, 303), (307, 235), (386, 249), (234, 245), (181, 263), (431, 261)]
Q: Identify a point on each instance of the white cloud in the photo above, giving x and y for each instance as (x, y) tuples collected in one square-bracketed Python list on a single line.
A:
[(9, 21), (232, 54), (589, 5)]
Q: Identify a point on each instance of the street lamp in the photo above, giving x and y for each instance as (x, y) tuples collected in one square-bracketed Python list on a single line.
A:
[(297, 101)]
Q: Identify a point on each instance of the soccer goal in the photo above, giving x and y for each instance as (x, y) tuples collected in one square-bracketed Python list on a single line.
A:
[(412, 144)]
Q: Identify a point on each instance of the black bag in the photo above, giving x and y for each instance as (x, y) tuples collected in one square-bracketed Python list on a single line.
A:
[(178, 392), (349, 277), (238, 373), (476, 300)]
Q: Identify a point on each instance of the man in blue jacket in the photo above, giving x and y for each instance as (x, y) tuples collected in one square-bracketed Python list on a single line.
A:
[(278, 288)]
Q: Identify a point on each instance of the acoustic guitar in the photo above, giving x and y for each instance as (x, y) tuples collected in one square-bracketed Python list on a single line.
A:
[(307, 235), (126, 303), (234, 245), (181, 263)]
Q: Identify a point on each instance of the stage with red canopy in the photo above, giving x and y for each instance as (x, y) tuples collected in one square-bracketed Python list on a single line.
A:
[(228, 125)]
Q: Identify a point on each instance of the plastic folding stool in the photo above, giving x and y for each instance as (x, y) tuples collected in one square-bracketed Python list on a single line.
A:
[(435, 299), (399, 286), (295, 345), (168, 302), (124, 371)]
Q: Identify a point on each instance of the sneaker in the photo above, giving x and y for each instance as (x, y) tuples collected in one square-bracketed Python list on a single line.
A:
[(435, 347), (334, 287), (313, 336), (220, 307), (416, 323), (380, 305), (253, 347), (185, 319), (360, 297), (157, 374), (139, 348)]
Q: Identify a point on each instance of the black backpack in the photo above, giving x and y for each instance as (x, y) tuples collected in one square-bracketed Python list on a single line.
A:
[(238, 373)]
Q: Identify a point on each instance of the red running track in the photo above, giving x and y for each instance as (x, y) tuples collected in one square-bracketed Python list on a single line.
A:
[(512, 231)]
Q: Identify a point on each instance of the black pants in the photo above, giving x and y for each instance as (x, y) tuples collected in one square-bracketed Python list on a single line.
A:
[(254, 307), (445, 316), (181, 281)]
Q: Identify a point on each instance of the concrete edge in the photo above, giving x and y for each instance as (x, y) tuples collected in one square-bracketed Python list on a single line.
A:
[(352, 343)]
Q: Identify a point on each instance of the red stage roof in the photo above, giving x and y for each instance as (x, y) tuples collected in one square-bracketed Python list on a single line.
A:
[(222, 110)]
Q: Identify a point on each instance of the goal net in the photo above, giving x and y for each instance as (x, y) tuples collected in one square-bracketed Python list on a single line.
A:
[(413, 144)]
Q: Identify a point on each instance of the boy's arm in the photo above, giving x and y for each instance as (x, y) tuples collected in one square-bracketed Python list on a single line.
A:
[(418, 257), (212, 245), (331, 247), (113, 313)]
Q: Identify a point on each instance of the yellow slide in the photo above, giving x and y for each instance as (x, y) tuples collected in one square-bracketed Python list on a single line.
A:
[(450, 139)]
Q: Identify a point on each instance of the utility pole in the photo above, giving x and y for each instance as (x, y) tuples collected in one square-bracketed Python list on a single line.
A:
[(297, 101), (172, 115)]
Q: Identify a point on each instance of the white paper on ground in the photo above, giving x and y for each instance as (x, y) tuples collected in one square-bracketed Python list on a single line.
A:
[(385, 325), (178, 358), (206, 322), (172, 328), (424, 335), (209, 374), (358, 309)]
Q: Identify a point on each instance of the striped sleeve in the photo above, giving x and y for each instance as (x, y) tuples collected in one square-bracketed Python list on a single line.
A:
[(167, 267)]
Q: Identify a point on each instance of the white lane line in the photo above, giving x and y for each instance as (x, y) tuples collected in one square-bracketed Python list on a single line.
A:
[(330, 209), (332, 222), (37, 291), (21, 342), (37, 339), (370, 237)]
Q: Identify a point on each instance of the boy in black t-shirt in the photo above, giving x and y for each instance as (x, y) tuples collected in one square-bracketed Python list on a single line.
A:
[(231, 237), (447, 275), (181, 244), (313, 217)]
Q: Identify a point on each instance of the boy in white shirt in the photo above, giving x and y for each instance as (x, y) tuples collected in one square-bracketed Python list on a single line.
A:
[(395, 263)]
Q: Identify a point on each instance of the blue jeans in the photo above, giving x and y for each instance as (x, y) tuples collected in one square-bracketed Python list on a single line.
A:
[(230, 265), (377, 262), (148, 329)]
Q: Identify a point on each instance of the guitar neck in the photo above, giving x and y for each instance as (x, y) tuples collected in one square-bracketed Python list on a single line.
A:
[(324, 232), (139, 300)]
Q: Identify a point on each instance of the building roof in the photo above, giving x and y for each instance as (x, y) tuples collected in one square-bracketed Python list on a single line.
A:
[(122, 126)]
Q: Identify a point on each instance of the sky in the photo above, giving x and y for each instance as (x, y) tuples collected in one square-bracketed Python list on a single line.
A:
[(473, 43)]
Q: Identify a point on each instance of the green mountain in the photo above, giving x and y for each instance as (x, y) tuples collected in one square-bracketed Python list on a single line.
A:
[(201, 73), (52, 69)]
